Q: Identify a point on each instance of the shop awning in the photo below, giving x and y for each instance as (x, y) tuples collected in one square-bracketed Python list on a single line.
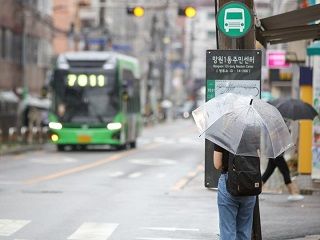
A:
[(291, 26)]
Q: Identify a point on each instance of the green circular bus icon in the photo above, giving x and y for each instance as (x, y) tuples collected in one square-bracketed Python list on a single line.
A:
[(234, 19)]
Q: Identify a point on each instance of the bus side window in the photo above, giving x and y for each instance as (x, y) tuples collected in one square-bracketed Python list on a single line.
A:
[(128, 82), (137, 95)]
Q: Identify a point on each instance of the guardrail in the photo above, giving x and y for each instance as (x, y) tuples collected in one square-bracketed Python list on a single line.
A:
[(25, 135)]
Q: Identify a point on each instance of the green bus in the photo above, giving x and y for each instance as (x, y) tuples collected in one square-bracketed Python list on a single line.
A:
[(95, 100)]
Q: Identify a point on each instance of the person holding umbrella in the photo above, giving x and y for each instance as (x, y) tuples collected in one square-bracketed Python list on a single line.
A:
[(242, 126), (293, 109)]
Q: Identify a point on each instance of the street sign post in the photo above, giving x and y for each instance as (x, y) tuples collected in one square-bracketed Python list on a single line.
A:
[(230, 71), (234, 21)]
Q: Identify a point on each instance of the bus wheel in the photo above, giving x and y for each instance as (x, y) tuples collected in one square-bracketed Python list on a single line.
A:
[(133, 144), (123, 146), (60, 147)]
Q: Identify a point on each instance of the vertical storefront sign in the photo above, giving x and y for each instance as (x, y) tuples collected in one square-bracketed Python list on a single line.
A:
[(316, 123)]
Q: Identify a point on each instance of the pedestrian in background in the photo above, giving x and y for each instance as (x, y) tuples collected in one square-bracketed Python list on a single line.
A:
[(281, 163), (235, 213)]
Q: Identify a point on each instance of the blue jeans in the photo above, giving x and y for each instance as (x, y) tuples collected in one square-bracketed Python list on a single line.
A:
[(235, 213)]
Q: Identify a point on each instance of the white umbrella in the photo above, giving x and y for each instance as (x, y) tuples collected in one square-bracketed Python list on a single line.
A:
[(242, 125)]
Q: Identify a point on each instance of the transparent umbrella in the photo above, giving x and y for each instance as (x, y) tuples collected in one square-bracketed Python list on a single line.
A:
[(243, 125)]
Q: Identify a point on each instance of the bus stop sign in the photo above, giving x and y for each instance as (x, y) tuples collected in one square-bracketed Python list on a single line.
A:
[(234, 19)]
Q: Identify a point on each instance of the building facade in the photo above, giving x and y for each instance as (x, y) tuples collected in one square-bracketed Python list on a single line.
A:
[(26, 32), (25, 44), (200, 36)]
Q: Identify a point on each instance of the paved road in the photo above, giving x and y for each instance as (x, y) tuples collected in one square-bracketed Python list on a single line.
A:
[(135, 194), (154, 192)]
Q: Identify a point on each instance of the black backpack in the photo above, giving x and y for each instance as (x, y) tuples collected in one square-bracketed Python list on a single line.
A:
[(244, 175)]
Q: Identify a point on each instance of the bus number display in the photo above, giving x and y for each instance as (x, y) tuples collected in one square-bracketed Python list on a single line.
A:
[(86, 80)]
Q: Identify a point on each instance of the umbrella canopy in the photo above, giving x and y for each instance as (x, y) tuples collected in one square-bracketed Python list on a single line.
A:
[(242, 125), (294, 109)]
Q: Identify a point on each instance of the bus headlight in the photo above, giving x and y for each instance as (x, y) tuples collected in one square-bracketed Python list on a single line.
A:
[(54, 137), (55, 125), (114, 126)]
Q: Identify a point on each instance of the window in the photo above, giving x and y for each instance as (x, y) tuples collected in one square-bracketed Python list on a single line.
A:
[(2, 43), (16, 50), (8, 44), (132, 87)]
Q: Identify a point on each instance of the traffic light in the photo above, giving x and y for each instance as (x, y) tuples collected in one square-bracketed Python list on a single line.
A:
[(188, 11), (137, 11)]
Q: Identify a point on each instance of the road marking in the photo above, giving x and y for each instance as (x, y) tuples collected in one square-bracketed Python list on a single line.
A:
[(171, 229), (86, 166), (148, 238), (163, 140), (184, 181), (91, 165), (94, 231), (78, 169), (135, 175), (54, 160), (9, 227), (152, 161), (116, 174)]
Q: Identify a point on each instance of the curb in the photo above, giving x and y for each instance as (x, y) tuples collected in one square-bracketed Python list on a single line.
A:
[(310, 237), (21, 149)]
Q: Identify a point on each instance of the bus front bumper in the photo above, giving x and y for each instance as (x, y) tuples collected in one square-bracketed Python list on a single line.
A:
[(90, 136)]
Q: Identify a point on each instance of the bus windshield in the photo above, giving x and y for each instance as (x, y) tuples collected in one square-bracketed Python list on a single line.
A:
[(86, 98)]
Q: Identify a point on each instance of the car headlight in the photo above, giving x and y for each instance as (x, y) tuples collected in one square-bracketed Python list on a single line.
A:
[(114, 126), (55, 125)]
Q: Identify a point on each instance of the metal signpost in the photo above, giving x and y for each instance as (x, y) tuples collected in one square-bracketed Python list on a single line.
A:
[(231, 70)]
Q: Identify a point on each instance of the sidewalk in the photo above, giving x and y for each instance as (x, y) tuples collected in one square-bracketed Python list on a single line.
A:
[(6, 149), (280, 219), (307, 185)]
